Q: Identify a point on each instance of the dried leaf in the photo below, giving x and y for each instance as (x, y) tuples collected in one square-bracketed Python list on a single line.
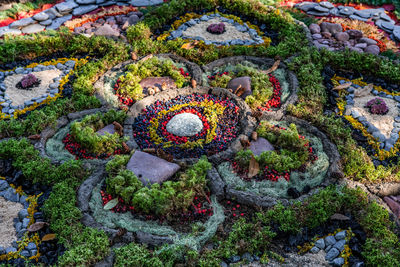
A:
[(126, 147), (149, 150), (273, 68), (37, 226), (194, 83), (254, 136), (254, 167), (111, 204), (146, 58), (164, 155), (118, 128), (364, 91), (49, 237), (34, 137), (245, 143), (342, 86), (134, 56), (189, 45), (239, 91)]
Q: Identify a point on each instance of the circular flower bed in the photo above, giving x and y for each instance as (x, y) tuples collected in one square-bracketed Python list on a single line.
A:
[(96, 136), (129, 87), (265, 84), (176, 200), (218, 114), (292, 152)]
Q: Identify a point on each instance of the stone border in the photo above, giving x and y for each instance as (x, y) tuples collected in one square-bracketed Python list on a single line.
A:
[(84, 195), (50, 131), (247, 122), (110, 99), (221, 189), (54, 17), (291, 78), (256, 39)]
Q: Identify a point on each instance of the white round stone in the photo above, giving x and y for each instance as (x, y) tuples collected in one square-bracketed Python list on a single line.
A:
[(185, 124)]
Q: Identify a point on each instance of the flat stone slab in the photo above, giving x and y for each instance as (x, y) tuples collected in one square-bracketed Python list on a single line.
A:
[(108, 129), (185, 124), (152, 82), (259, 146), (151, 169)]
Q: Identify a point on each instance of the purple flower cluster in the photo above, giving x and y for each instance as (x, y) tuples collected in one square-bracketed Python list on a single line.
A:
[(217, 28), (28, 81), (377, 106)]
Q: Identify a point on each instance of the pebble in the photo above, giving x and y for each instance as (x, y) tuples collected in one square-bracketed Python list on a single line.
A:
[(338, 261), (340, 235), (320, 243), (23, 214), (330, 240), (331, 254)]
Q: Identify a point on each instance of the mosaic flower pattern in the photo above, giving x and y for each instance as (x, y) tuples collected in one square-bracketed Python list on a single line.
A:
[(14, 102), (220, 118)]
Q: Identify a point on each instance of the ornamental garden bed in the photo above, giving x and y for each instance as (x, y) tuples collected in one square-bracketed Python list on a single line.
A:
[(93, 135), (26, 236), (370, 107), (188, 123), (264, 84), (220, 28), (173, 209), (25, 88), (279, 164), (131, 81)]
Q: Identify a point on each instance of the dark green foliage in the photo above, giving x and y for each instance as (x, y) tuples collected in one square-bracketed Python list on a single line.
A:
[(165, 199)]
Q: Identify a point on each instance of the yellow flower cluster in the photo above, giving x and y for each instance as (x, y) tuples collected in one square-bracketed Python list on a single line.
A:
[(211, 111), (63, 81)]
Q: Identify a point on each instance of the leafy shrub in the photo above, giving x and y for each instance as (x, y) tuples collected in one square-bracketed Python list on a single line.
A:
[(377, 106), (166, 198), (130, 87), (84, 132), (28, 81)]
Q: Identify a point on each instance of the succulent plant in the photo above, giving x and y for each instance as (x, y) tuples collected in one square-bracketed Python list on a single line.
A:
[(217, 28), (377, 106), (28, 81)]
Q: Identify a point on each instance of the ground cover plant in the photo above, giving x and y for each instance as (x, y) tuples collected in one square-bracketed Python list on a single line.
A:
[(193, 170)]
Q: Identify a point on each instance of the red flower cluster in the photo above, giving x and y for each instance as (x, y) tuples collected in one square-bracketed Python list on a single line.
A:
[(127, 101), (183, 73), (80, 153), (275, 101), (212, 77), (201, 208)]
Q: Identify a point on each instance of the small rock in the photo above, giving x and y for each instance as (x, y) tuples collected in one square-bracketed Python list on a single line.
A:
[(331, 27), (84, 9), (41, 16), (316, 36), (326, 4), (23, 214), (234, 259), (368, 41), (46, 22), (22, 23), (314, 250), (341, 235), (329, 240), (342, 36), (331, 254), (293, 192), (340, 245), (372, 49), (355, 34), (320, 243), (25, 253), (338, 261), (361, 45), (315, 28)]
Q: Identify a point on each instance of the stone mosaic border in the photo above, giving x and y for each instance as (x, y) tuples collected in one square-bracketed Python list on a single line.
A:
[(66, 65), (383, 21), (221, 189), (256, 38), (247, 122), (62, 122), (291, 78), (54, 17), (21, 223), (86, 200), (105, 85)]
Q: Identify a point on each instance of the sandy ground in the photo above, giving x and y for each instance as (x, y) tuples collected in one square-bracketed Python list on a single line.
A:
[(293, 259), (231, 32), (19, 96), (383, 122), (8, 211)]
